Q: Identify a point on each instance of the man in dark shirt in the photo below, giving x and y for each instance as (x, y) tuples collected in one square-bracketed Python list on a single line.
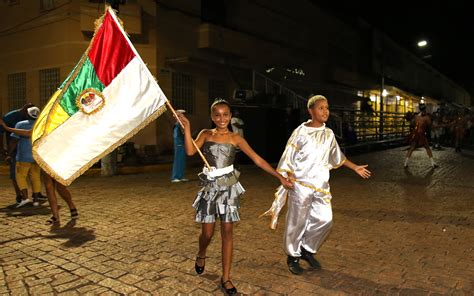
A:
[(11, 119)]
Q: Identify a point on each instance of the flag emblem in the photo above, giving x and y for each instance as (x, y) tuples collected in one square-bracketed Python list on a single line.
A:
[(90, 101)]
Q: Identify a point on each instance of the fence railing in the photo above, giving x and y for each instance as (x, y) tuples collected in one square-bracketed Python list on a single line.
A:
[(282, 95), (350, 126), (366, 127)]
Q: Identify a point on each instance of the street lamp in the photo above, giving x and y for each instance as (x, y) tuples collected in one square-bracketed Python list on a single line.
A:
[(422, 43)]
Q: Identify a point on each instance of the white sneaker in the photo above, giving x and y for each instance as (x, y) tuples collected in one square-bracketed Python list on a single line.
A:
[(175, 181), (184, 180), (23, 202)]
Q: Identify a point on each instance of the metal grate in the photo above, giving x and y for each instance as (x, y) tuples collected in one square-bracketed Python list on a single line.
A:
[(46, 4), (16, 90), (184, 94), (49, 82)]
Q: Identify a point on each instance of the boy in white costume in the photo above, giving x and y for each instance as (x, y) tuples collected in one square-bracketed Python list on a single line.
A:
[(311, 152)]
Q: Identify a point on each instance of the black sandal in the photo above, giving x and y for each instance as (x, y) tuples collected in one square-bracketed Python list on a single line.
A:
[(199, 269), (74, 214), (231, 291), (52, 221)]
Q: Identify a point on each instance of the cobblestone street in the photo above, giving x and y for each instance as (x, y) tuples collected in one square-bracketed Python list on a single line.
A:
[(402, 232)]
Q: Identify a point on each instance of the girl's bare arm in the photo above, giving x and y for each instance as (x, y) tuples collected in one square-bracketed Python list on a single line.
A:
[(260, 162)]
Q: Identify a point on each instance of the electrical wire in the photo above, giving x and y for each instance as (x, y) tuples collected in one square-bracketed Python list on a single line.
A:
[(35, 18)]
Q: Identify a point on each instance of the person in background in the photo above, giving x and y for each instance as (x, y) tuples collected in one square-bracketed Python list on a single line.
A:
[(237, 124), (418, 137), (11, 119), (179, 162), (470, 129), (25, 164), (349, 134), (51, 185), (460, 125), (436, 131)]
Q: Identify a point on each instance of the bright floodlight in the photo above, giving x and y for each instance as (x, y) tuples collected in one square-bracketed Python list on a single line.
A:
[(422, 43)]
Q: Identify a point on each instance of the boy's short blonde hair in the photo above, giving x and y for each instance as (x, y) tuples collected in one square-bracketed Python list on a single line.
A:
[(312, 101)]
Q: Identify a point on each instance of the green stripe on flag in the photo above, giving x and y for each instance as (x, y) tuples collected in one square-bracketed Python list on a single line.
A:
[(86, 78), (70, 74)]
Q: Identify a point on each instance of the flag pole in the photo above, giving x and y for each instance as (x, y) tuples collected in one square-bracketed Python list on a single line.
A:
[(194, 143), (108, 7)]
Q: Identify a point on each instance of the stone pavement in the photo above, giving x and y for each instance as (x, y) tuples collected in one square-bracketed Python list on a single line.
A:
[(403, 232)]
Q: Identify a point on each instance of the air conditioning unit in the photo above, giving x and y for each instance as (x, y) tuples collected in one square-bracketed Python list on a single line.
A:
[(243, 94)]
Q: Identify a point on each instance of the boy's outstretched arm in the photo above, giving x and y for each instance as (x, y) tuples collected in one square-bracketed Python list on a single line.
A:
[(359, 169)]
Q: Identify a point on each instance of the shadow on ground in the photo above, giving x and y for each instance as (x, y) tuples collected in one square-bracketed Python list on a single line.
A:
[(26, 211), (74, 236)]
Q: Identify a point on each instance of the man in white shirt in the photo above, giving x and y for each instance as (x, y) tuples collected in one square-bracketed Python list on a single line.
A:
[(237, 123)]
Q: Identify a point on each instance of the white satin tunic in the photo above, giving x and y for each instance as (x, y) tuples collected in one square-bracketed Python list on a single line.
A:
[(308, 157)]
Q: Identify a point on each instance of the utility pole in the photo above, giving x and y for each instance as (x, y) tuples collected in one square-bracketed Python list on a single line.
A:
[(382, 88), (108, 164)]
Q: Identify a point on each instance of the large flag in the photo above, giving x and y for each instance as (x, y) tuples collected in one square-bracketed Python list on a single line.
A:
[(107, 98)]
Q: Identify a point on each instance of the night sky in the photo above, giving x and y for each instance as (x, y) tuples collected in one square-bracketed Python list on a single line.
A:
[(448, 26)]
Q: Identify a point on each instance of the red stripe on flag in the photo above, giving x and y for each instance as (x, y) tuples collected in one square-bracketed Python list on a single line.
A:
[(110, 52)]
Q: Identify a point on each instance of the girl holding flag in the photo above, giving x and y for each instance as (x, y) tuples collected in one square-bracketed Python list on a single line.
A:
[(221, 193)]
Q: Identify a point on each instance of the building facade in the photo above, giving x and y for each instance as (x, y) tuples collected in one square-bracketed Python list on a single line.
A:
[(203, 49)]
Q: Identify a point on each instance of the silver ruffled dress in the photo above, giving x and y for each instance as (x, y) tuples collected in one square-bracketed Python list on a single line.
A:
[(220, 196)]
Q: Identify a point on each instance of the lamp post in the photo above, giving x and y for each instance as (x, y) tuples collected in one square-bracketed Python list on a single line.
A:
[(422, 43), (382, 90), (108, 164)]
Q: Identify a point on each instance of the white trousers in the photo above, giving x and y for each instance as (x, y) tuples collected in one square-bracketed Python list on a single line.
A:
[(308, 220)]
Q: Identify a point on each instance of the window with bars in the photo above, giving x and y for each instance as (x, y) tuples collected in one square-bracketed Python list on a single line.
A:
[(16, 90), (48, 83), (46, 5), (216, 90), (183, 92)]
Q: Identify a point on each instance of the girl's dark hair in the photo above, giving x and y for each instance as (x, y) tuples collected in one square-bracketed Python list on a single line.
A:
[(220, 101)]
